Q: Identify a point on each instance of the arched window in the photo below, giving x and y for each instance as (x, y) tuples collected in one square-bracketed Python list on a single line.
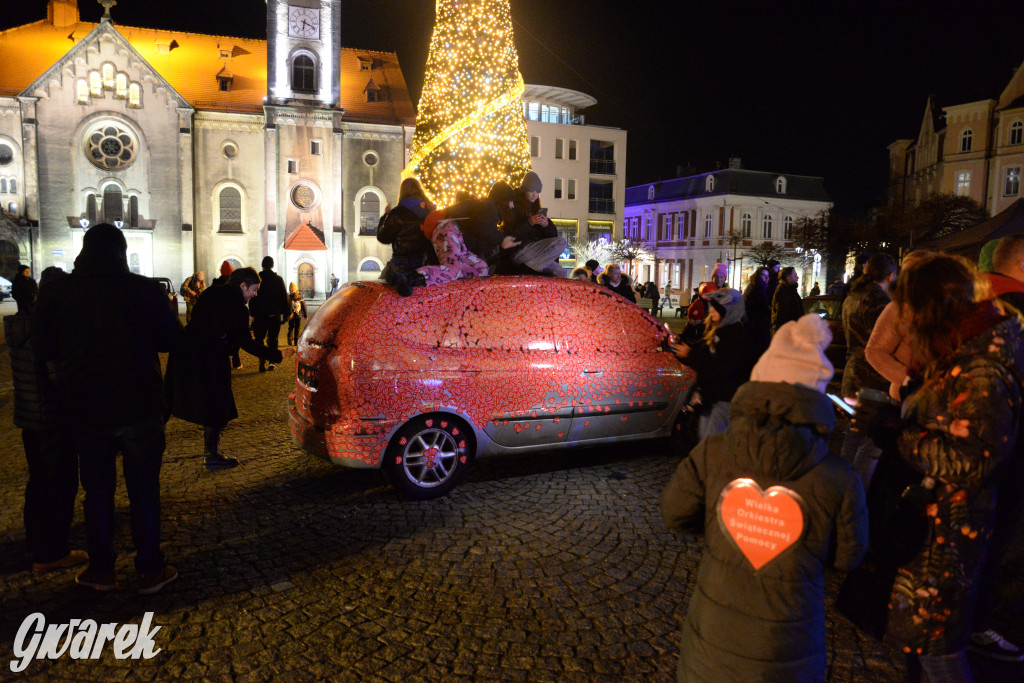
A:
[(121, 87), (745, 224), (370, 265), (780, 185), (303, 73), (82, 91), (108, 76), (650, 193), (1017, 132), (766, 227), (133, 212), (95, 84), (787, 228), (14, 185), (134, 95), (709, 183), (369, 213), (3, 185), (966, 140), (90, 208), (707, 226), (230, 210), (113, 209)]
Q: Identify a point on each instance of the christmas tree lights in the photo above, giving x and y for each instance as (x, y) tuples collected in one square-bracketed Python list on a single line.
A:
[(470, 128)]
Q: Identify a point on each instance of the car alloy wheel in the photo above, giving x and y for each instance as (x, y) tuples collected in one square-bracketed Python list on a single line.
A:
[(427, 457)]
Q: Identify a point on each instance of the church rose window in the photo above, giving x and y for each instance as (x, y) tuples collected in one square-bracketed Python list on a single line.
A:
[(110, 147), (6, 155)]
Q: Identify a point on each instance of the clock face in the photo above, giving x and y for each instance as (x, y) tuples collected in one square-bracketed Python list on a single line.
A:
[(303, 23)]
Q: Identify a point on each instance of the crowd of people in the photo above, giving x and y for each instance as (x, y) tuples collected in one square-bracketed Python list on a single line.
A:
[(89, 388), (934, 366), (919, 507)]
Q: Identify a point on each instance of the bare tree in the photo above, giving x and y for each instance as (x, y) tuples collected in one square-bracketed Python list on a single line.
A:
[(630, 251), (585, 250), (766, 252)]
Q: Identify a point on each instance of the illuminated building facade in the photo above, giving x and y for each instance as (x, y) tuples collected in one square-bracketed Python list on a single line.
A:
[(696, 221), (583, 167), (201, 148), (974, 150)]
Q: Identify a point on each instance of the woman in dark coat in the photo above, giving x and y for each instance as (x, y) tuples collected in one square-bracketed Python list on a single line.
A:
[(759, 312), (199, 369), (721, 359), (614, 279), (959, 430)]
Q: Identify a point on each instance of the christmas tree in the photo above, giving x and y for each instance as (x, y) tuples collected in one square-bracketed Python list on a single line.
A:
[(470, 129)]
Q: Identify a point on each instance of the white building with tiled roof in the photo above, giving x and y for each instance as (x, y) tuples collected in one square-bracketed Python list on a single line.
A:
[(201, 148), (699, 220)]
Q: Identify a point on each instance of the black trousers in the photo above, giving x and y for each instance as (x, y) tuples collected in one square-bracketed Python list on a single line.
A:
[(50, 492), (266, 328)]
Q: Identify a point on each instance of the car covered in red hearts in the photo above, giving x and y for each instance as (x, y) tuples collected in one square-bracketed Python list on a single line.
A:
[(420, 386)]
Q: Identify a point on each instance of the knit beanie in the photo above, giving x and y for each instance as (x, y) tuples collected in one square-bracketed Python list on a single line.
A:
[(985, 257), (226, 268), (531, 183), (729, 304), (797, 355), (720, 269)]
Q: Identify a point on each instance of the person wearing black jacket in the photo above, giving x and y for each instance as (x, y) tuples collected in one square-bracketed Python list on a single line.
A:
[(24, 290), (100, 330), (269, 309), (49, 450), (402, 228), (786, 302), (721, 359), (539, 244), (198, 371), (469, 242), (614, 279)]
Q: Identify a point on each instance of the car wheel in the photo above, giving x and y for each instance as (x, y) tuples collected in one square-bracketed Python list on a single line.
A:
[(428, 456)]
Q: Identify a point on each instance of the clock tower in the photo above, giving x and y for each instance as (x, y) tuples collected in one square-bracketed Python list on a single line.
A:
[(303, 52)]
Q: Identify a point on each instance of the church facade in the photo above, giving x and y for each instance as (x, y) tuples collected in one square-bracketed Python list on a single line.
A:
[(201, 148)]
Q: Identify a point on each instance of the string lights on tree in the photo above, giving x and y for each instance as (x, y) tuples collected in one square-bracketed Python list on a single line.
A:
[(470, 128)]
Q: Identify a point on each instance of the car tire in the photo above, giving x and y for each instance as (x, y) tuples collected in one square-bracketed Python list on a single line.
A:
[(428, 456)]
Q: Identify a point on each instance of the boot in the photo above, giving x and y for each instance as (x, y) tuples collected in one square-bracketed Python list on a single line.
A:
[(213, 459), (401, 283), (417, 279)]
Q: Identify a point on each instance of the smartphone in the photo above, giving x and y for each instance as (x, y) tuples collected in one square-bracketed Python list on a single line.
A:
[(842, 403), (543, 211)]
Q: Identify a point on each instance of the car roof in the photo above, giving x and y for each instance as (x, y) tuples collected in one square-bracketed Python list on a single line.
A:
[(5, 281)]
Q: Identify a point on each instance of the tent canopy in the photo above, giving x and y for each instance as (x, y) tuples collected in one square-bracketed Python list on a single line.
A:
[(970, 241)]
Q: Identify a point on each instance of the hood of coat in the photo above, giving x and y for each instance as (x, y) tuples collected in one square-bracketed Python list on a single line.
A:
[(783, 428)]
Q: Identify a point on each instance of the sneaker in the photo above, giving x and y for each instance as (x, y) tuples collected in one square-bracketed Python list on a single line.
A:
[(97, 581), (270, 366), (72, 559), (219, 462), (991, 644), (152, 583)]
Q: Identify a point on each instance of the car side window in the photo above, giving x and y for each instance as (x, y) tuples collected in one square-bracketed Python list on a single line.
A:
[(595, 319)]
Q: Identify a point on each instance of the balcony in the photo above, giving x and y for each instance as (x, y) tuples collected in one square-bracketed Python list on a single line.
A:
[(602, 166), (599, 205)]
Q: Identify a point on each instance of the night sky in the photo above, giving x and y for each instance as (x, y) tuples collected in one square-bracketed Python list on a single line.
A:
[(817, 88)]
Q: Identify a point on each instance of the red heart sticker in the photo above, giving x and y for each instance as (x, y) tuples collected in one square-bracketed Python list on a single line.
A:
[(763, 524)]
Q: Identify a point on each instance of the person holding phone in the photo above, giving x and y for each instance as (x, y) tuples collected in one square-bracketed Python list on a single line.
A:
[(539, 244)]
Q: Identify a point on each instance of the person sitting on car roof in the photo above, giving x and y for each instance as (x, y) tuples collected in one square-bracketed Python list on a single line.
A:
[(539, 244), (402, 228), (466, 237)]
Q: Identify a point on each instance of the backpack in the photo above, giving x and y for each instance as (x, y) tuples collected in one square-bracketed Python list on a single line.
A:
[(296, 306)]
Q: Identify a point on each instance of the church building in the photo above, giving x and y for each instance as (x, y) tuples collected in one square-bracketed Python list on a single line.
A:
[(201, 148)]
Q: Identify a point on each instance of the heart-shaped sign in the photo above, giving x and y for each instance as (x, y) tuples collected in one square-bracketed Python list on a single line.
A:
[(763, 524)]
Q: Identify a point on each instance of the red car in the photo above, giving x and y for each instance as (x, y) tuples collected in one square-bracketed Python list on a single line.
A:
[(419, 386)]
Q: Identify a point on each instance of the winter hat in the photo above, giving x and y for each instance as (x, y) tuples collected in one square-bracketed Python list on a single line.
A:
[(531, 183), (797, 355), (985, 257), (104, 250), (592, 264), (720, 269), (501, 193), (292, 287), (226, 268), (729, 304)]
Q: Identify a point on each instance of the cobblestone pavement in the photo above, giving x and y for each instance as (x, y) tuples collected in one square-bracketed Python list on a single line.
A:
[(540, 568)]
